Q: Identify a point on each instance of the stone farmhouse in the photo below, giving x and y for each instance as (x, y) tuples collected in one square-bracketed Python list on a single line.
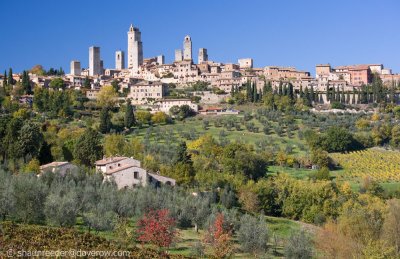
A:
[(127, 173)]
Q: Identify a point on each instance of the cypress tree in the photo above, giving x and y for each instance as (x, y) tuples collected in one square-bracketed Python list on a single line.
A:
[(129, 120), (348, 97), (307, 98), (343, 97), (269, 86), (10, 80), (391, 93), (333, 96), (290, 92), (86, 83), (280, 88), (105, 120), (232, 91), (260, 95), (312, 93), (301, 94), (255, 97), (248, 91), (26, 82), (328, 98), (353, 100), (265, 88), (285, 90), (5, 78)]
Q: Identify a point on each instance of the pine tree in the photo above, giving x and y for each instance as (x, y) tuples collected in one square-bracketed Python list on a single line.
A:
[(105, 120), (129, 115)]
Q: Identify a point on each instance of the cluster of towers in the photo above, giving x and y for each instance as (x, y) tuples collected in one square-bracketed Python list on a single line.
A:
[(186, 55), (135, 55), (135, 51)]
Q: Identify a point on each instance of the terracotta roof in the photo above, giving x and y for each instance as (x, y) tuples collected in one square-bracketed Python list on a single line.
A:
[(109, 160), (53, 164), (119, 168)]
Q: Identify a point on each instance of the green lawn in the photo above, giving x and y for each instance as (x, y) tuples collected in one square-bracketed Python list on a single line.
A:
[(298, 173)]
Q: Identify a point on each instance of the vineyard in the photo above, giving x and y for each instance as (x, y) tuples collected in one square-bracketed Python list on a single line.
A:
[(381, 165)]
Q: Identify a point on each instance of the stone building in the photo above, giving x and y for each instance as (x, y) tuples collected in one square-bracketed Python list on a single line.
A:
[(165, 105), (187, 48), (58, 167), (75, 68), (94, 61), (246, 63), (119, 60), (127, 172), (135, 49), (146, 91), (281, 73), (203, 56)]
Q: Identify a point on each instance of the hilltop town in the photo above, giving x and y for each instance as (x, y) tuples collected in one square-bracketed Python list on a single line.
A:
[(199, 158), (149, 82)]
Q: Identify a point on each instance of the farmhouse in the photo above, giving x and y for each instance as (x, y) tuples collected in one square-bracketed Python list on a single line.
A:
[(59, 167), (127, 172)]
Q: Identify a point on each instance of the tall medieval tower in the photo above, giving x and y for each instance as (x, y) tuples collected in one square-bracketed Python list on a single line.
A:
[(135, 49), (187, 48)]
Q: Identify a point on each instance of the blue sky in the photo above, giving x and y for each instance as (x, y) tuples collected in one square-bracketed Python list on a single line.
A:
[(285, 33)]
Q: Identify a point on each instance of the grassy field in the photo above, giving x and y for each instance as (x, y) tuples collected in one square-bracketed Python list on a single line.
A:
[(193, 128)]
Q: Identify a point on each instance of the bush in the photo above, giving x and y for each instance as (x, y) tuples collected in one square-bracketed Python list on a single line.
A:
[(253, 234), (299, 246)]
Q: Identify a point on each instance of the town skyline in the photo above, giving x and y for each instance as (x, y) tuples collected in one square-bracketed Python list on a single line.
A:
[(218, 50)]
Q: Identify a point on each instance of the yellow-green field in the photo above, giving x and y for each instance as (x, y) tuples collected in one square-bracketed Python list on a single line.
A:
[(381, 165)]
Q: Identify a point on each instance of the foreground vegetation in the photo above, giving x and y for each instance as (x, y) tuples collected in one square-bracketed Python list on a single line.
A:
[(276, 180)]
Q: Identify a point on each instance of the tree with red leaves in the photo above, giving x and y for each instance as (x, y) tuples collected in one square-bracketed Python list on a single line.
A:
[(157, 228), (219, 238)]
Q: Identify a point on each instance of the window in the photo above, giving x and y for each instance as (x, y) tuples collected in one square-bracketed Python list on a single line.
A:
[(136, 175)]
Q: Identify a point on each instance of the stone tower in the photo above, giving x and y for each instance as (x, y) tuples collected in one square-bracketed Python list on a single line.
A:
[(119, 60), (75, 68), (178, 55), (187, 48), (135, 49), (203, 56), (94, 61)]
